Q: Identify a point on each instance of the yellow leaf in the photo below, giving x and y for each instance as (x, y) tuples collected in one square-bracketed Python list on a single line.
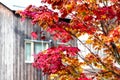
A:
[(103, 16), (52, 76), (80, 69), (91, 1), (89, 41)]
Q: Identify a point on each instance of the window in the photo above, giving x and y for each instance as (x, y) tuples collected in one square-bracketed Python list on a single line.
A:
[(61, 43), (34, 47)]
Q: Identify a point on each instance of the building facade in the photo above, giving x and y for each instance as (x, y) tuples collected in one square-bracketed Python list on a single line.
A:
[(13, 33)]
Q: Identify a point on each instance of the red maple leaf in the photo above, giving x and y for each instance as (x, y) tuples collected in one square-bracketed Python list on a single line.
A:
[(34, 35)]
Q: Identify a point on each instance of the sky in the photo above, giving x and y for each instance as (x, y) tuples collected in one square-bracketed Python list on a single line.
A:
[(20, 4)]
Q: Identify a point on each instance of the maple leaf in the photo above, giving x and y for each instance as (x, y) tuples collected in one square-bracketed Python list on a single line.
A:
[(104, 13), (83, 77), (48, 65), (113, 0), (42, 38), (88, 18), (34, 35), (101, 23)]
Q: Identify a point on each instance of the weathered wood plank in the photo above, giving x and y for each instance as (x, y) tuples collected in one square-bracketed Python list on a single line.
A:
[(25, 72), (22, 35), (0, 47), (15, 49), (35, 74), (7, 44)]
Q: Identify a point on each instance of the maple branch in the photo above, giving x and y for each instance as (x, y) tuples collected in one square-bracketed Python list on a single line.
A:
[(82, 44), (103, 43), (104, 29), (115, 50), (90, 51), (116, 53), (98, 59), (86, 61), (106, 46), (73, 68), (87, 48)]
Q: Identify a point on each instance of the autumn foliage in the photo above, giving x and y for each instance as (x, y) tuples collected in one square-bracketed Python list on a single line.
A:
[(99, 19)]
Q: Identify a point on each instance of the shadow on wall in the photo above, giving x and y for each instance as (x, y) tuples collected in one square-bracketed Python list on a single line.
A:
[(23, 31)]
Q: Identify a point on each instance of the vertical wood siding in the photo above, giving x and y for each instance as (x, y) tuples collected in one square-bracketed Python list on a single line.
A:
[(6, 46), (12, 59)]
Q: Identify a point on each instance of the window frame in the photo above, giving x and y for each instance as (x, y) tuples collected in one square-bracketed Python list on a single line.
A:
[(62, 43), (32, 42)]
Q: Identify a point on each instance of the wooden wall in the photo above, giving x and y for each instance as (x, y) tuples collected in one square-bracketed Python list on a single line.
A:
[(12, 55), (6, 46), (12, 59)]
